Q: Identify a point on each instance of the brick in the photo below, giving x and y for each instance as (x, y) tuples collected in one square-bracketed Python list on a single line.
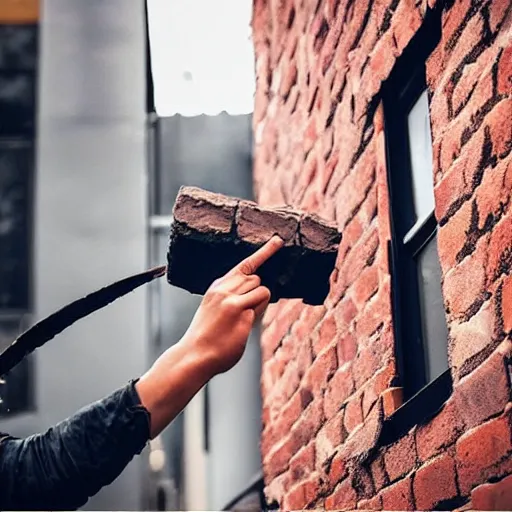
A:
[(469, 338), (407, 20), (493, 194), (486, 391), (302, 494), (471, 75), (392, 399), (353, 413), (374, 503), (365, 286), (506, 304), (497, 12), (452, 237), (400, 457), (378, 470), (336, 471), (277, 461), (498, 121), (326, 333), (452, 20), (290, 412), (504, 82), (340, 387), (363, 439), (344, 312), (435, 482), (500, 249), (275, 489), (201, 234), (284, 389), (440, 432), (347, 348), (471, 36), (379, 384), (321, 370), (496, 496), (308, 425), (303, 463), (398, 496), (469, 275), (376, 313), (329, 438), (344, 497), (480, 449)]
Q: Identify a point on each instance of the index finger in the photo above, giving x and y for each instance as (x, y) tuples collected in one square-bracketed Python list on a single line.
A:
[(254, 261)]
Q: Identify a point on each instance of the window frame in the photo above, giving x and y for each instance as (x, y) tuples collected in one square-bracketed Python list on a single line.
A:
[(422, 399)]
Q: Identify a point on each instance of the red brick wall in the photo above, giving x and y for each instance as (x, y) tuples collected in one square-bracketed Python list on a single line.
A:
[(320, 145)]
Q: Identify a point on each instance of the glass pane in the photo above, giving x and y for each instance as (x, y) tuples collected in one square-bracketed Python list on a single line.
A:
[(420, 146), (16, 163), (435, 332)]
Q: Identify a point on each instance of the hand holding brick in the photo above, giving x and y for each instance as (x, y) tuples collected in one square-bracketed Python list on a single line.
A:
[(212, 233)]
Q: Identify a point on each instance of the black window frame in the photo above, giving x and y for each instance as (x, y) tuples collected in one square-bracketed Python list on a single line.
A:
[(407, 82)]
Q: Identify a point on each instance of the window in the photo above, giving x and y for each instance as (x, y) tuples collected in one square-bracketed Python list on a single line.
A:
[(419, 318), (18, 69)]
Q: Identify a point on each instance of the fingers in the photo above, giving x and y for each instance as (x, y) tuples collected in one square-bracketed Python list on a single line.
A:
[(255, 298), (254, 262), (260, 309)]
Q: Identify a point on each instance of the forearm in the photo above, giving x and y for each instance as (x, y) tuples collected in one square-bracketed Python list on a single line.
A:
[(64, 467), (172, 382)]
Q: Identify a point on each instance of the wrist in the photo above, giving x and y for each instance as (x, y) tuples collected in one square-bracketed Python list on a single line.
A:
[(201, 359)]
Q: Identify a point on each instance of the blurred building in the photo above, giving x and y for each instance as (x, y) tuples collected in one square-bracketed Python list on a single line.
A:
[(101, 121)]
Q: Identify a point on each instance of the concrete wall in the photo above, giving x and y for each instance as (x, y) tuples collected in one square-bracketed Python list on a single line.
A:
[(90, 210)]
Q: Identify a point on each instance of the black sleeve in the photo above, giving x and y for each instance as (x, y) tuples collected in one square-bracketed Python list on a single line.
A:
[(62, 468)]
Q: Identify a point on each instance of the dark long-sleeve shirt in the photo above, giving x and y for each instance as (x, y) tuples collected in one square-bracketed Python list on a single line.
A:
[(62, 468)]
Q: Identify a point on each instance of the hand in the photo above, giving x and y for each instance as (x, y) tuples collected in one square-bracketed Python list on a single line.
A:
[(223, 322)]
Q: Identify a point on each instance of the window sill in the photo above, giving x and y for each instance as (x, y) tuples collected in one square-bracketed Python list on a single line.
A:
[(418, 409)]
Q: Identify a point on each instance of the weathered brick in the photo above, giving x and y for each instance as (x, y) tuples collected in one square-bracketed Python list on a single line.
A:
[(400, 457), (337, 470), (347, 348), (440, 432), (344, 497), (469, 275), (495, 496), (435, 482), (303, 463), (452, 237), (330, 436), (326, 333), (504, 84), (374, 503), (321, 370), (497, 12), (378, 470), (481, 448), (344, 312), (308, 425), (506, 303), (302, 494), (365, 286), (340, 387), (398, 496), (277, 461), (500, 127), (353, 413), (500, 248), (469, 338), (486, 391)]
